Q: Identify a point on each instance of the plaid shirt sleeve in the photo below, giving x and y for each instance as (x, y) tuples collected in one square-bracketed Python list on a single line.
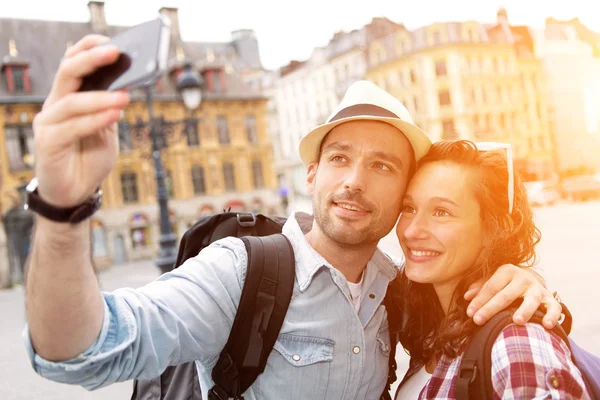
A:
[(529, 362)]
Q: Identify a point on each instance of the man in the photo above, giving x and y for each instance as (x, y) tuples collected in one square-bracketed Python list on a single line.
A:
[(334, 342)]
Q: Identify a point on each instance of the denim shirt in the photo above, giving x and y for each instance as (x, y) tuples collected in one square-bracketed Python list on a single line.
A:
[(325, 349)]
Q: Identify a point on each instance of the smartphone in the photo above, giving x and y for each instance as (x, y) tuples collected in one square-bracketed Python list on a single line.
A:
[(144, 51)]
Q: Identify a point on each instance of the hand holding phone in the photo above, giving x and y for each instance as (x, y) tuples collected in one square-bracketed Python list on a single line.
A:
[(143, 58)]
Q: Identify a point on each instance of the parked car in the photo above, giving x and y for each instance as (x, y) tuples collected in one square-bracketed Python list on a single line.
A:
[(582, 188), (542, 193)]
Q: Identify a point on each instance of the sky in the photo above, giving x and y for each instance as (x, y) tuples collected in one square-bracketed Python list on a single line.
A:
[(290, 30)]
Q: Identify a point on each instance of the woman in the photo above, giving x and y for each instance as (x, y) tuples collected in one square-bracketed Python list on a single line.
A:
[(464, 215)]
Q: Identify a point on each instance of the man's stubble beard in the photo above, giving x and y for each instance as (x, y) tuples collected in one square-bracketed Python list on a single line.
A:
[(345, 236)]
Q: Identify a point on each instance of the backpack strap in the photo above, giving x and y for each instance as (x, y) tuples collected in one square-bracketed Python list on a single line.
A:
[(474, 379), (263, 305)]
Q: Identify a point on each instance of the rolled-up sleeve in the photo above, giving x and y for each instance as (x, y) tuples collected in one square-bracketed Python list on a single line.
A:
[(182, 316)]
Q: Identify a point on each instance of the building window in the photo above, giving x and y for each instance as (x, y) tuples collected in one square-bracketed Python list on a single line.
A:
[(413, 76), (18, 79), (223, 130), (217, 81), (503, 121), (470, 36), (99, 247), (198, 179), (19, 146), (488, 121), (257, 175), (440, 68), (161, 129), (401, 79), (540, 112), (139, 231), (125, 143), (473, 96), (542, 142), (251, 130), (229, 177), (129, 187), (444, 97), (191, 132), (448, 132)]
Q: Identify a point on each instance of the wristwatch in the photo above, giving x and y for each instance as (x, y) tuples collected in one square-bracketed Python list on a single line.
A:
[(70, 215)]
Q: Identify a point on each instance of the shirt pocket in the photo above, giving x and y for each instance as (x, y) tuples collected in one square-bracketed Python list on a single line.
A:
[(298, 368), (300, 351)]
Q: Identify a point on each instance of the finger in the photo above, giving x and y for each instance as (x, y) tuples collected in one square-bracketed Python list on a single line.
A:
[(553, 312), (531, 302), (76, 104), (86, 43), (72, 70), (74, 129), (494, 285), (498, 302), (473, 290)]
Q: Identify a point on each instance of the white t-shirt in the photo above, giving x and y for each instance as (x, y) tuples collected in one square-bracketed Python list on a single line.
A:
[(413, 386), (356, 292)]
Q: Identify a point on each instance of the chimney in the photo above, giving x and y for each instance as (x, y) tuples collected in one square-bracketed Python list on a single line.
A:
[(172, 14), (502, 15), (97, 18)]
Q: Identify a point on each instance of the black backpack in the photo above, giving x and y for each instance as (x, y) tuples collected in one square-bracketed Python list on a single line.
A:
[(263, 304), (475, 372)]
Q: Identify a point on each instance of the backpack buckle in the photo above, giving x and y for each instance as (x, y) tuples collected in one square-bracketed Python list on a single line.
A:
[(217, 393), (246, 219), (468, 370)]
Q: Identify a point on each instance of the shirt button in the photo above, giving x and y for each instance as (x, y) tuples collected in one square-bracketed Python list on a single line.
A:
[(356, 349), (554, 381), (296, 357), (371, 296)]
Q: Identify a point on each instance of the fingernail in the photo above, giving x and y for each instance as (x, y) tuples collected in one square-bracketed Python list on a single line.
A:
[(109, 48), (519, 319), (478, 319), (121, 96), (470, 311)]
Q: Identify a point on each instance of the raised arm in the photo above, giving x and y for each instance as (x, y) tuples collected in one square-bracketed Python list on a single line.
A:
[(76, 146)]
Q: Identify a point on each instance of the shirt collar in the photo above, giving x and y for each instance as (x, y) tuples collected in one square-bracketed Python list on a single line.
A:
[(309, 261)]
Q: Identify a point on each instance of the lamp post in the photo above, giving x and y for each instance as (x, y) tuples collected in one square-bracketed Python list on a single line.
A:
[(189, 86)]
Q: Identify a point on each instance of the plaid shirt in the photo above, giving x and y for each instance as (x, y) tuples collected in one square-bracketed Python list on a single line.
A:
[(527, 362)]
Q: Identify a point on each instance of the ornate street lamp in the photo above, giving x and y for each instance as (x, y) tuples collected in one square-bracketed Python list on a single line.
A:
[(189, 86)]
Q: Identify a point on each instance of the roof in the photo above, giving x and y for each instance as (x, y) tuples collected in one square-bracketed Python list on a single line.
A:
[(41, 44)]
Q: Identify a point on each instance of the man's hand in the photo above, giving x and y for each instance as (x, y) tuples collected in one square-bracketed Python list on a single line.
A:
[(76, 142), (509, 283)]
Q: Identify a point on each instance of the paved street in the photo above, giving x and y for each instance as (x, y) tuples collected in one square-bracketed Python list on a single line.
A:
[(569, 258)]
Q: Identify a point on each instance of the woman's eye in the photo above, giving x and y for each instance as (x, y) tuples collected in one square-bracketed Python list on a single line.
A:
[(337, 159), (440, 212), (408, 209)]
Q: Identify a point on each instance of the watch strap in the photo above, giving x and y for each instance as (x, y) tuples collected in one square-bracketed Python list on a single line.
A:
[(70, 215)]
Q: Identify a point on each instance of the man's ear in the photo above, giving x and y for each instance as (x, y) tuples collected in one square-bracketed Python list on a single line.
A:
[(311, 175)]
